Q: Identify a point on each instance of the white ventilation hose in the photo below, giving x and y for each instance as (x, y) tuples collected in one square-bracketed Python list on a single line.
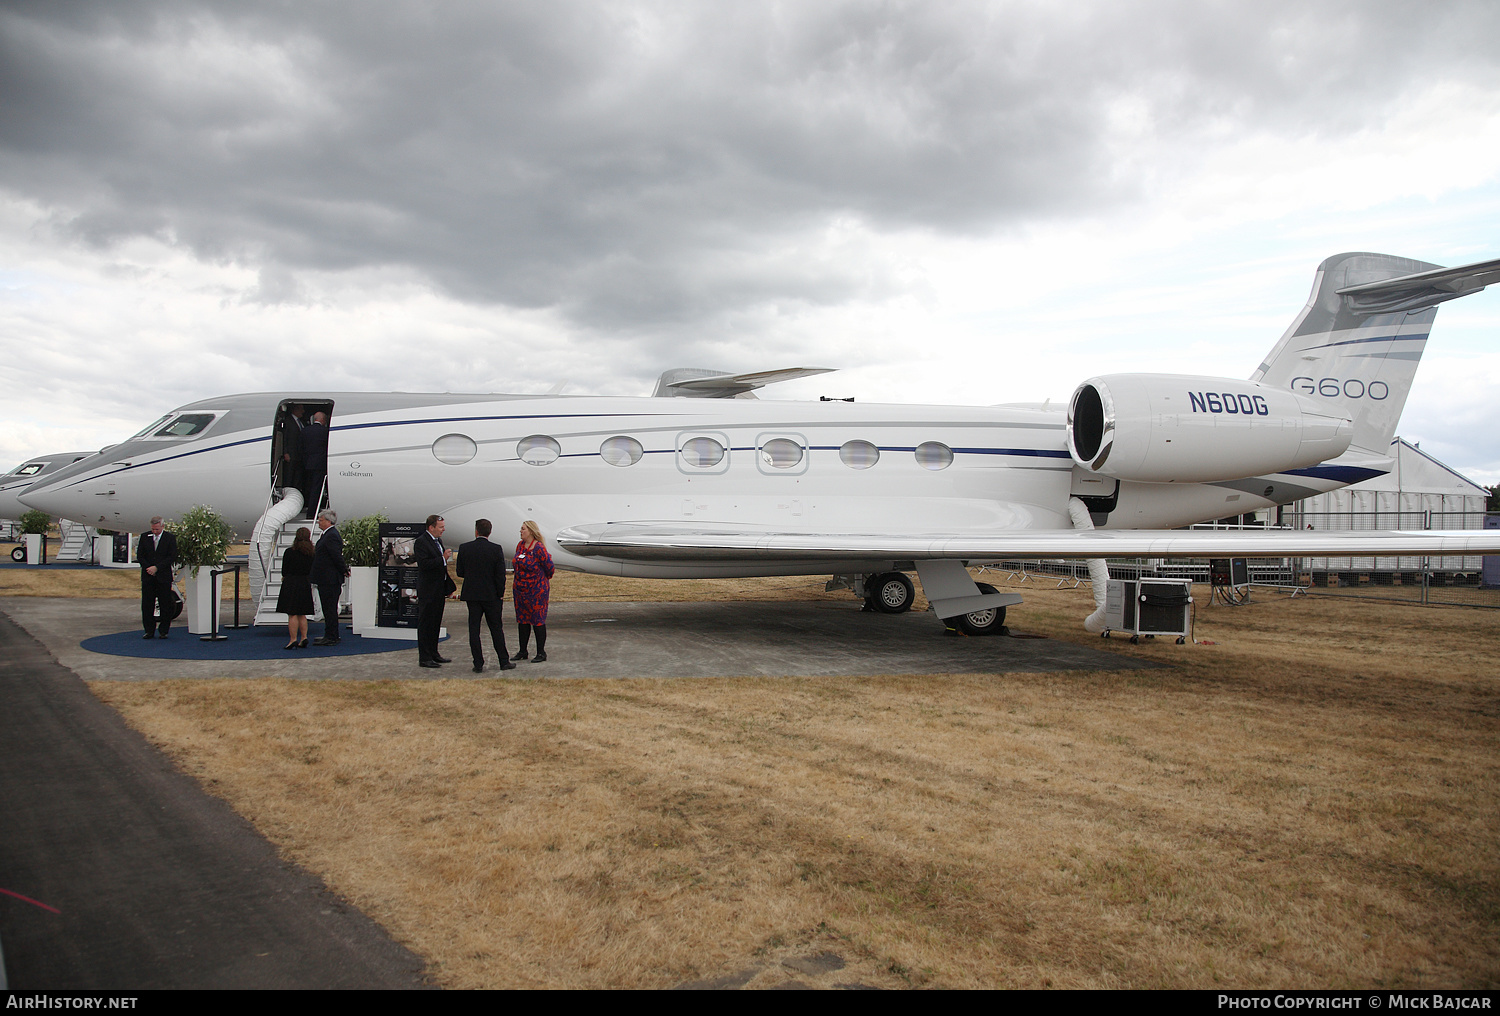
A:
[(1098, 570), (263, 539)]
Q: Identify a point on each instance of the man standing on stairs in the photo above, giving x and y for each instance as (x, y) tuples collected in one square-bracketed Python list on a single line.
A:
[(328, 574), (291, 446), (314, 463)]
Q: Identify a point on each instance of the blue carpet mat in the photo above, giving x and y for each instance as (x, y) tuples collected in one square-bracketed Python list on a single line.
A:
[(246, 644)]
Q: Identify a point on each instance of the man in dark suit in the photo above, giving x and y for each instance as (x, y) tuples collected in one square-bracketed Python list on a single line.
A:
[(433, 587), (291, 446), (155, 553), (328, 573), (481, 565), (314, 463)]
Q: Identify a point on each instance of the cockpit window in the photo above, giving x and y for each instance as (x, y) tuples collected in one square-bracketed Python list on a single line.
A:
[(148, 429), (31, 469), (186, 425)]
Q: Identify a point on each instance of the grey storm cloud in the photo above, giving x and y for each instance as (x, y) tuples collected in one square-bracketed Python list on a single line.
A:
[(642, 164)]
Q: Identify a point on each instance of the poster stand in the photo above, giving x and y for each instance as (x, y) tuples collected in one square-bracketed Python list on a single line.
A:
[(396, 584)]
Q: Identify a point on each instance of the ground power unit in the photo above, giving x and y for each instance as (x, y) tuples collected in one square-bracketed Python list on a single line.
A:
[(1148, 607)]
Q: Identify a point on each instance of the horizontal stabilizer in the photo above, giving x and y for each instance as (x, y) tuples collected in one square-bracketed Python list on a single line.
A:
[(1422, 289), (670, 542), (697, 383)]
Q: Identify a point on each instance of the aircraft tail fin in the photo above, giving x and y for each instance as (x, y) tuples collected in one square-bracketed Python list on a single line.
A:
[(1358, 341)]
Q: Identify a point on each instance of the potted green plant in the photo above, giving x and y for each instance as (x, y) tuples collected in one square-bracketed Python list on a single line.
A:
[(203, 539), (362, 555), (34, 526)]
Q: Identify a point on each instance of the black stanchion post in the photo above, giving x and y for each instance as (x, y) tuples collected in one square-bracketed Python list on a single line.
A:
[(213, 611), (237, 626)]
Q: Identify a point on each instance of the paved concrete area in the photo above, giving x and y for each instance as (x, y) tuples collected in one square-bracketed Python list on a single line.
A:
[(609, 640), (140, 879)]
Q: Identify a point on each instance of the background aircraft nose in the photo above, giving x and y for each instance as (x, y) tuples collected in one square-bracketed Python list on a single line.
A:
[(10, 505), (62, 504)]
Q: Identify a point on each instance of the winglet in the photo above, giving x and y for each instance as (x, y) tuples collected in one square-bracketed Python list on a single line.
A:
[(701, 383)]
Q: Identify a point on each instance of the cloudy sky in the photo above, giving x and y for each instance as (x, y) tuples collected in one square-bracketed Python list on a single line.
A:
[(954, 203)]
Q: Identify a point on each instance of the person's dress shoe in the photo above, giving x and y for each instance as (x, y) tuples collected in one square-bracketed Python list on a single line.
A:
[(326, 642), (507, 665), (540, 657), (161, 635), (479, 668), (290, 645), (432, 664), (149, 635), (520, 656), (302, 644), (442, 659)]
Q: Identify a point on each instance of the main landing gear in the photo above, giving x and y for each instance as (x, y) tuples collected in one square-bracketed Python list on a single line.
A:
[(891, 593), (980, 622)]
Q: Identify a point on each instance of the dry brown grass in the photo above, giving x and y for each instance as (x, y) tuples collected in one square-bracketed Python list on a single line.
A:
[(1310, 802)]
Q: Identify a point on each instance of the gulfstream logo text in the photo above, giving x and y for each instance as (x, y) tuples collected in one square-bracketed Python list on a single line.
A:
[(1213, 402)]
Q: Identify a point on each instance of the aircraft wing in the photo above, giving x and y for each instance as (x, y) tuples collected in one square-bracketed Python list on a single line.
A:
[(666, 541)]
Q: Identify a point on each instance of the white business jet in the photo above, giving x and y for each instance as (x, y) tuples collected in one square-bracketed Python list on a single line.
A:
[(27, 473), (705, 480)]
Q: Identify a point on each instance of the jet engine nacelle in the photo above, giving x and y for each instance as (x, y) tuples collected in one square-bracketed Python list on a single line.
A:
[(1161, 428)]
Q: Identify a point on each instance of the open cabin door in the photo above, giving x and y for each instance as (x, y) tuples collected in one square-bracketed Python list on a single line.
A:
[(294, 464)]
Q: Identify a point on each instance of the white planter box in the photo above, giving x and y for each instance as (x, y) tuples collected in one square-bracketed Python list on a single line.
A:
[(364, 587), (200, 598)]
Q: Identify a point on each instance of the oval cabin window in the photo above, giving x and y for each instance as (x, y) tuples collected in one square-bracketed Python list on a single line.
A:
[(621, 451), (702, 452), (781, 453), (934, 455), (454, 449), (538, 450), (859, 454)]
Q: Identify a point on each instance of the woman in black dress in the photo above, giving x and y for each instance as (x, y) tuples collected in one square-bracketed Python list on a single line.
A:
[(296, 599)]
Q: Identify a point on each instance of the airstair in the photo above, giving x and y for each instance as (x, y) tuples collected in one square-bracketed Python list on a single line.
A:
[(77, 542), (274, 533)]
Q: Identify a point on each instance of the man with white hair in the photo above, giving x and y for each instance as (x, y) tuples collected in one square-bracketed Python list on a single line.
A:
[(328, 573), (155, 553)]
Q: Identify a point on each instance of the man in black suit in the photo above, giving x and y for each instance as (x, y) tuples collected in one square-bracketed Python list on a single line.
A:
[(291, 446), (481, 565), (328, 573), (314, 463), (433, 587), (155, 553)]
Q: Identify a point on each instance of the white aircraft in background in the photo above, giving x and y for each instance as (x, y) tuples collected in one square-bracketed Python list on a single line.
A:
[(695, 482), (28, 473)]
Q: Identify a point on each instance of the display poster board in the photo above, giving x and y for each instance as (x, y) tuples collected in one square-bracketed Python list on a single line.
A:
[(396, 599)]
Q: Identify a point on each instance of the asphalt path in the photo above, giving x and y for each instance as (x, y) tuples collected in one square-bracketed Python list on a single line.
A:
[(119, 872)]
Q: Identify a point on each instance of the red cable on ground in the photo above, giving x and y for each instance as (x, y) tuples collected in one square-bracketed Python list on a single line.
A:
[(28, 899)]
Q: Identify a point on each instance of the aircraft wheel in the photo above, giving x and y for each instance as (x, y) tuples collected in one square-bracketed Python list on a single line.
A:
[(18, 554), (891, 593), (982, 622)]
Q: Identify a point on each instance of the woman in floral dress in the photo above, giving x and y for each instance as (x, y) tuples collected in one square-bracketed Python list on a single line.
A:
[(529, 588)]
